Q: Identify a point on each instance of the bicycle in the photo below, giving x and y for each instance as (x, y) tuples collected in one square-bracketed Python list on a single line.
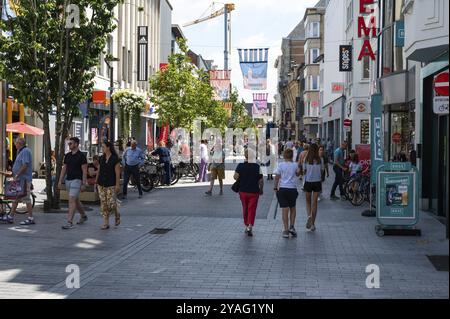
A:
[(145, 179)]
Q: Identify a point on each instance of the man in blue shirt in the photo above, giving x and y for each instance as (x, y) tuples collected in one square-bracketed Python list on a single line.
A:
[(164, 157), (22, 171), (132, 159), (339, 168)]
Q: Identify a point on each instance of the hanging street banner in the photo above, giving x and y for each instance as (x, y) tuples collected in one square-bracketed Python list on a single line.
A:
[(254, 68), (259, 104), (220, 81), (142, 54), (228, 106)]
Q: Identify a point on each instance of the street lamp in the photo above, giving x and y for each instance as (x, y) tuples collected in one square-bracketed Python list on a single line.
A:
[(108, 60)]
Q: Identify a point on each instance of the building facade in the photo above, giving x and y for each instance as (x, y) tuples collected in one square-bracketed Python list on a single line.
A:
[(314, 48), (414, 43)]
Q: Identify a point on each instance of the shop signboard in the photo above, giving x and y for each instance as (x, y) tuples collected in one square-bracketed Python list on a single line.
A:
[(397, 194), (345, 58), (376, 136)]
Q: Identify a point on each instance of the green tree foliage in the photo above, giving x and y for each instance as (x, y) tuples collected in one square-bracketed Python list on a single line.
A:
[(239, 117), (182, 93), (51, 65)]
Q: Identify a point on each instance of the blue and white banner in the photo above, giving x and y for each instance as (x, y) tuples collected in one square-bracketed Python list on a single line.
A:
[(254, 68)]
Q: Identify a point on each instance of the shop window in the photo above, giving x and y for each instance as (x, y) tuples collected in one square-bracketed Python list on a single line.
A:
[(130, 67), (399, 135), (387, 50), (366, 68), (365, 132)]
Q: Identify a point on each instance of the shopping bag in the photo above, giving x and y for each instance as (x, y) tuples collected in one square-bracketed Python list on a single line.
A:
[(15, 189)]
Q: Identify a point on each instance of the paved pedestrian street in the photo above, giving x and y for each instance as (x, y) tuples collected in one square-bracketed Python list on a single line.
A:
[(207, 255)]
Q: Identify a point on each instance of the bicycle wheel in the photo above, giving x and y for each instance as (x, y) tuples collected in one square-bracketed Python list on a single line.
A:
[(22, 208), (146, 182), (348, 191), (358, 196), (175, 177)]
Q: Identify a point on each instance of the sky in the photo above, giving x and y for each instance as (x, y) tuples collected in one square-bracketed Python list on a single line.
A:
[(254, 24)]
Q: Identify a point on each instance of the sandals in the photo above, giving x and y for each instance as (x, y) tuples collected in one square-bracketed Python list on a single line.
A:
[(105, 227), (117, 219)]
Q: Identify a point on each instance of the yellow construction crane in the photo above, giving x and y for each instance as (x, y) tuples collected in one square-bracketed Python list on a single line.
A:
[(226, 11)]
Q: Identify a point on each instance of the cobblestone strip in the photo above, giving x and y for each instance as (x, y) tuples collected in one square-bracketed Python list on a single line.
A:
[(60, 291)]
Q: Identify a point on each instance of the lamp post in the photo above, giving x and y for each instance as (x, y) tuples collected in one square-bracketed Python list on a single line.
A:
[(109, 59)]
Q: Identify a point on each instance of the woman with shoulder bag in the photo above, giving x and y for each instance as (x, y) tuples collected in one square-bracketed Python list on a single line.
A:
[(250, 184), (313, 184)]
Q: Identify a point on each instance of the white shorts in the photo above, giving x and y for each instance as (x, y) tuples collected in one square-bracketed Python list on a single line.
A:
[(73, 188)]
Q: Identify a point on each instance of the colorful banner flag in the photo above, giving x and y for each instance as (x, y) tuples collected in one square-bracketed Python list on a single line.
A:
[(259, 104), (164, 134), (228, 106), (254, 68), (220, 81)]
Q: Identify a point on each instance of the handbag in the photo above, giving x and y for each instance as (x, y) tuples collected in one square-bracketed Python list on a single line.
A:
[(235, 186), (15, 189)]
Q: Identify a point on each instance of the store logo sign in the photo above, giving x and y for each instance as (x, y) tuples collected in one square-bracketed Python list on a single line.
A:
[(365, 30), (345, 58), (378, 152), (361, 108)]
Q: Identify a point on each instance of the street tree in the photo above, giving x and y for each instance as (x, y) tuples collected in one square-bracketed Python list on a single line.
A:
[(182, 93), (49, 53)]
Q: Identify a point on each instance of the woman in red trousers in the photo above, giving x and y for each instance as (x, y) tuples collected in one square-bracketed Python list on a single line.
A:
[(251, 184)]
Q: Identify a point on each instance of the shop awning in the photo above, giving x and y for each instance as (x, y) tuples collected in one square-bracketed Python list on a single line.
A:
[(23, 128)]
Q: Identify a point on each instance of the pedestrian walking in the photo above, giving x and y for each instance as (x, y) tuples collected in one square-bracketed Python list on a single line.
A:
[(270, 152), (300, 149), (339, 169), (289, 144), (313, 168), (217, 167), (133, 158), (75, 172), (286, 183), (164, 158), (22, 171), (203, 161), (108, 183), (301, 159), (251, 185), (325, 172)]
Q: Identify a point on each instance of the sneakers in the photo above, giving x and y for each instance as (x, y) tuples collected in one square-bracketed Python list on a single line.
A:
[(7, 219), (208, 193), (82, 220), (286, 234), (28, 221), (221, 193), (313, 227), (140, 196), (334, 197), (69, 225), (292, 231), (309, 223)]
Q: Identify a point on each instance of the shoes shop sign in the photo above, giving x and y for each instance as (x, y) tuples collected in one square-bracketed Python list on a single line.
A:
[(440, 85)]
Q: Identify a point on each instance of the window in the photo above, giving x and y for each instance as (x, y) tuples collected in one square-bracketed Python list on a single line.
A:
[(313, 83), (314, 53), (124, 64), (130, 67), (387, 50), (366, 68), (314, 30), (172, 49), (350, 12), (365, 132)]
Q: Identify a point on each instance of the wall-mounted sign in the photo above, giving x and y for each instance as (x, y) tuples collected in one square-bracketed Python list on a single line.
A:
[(99, 97), (142, 54), (399, 33), (361, 108), (365, 30), (345, 58), (337, 88), (440, 105)]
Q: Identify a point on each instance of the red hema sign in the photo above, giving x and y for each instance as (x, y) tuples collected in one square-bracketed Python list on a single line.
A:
[(365, 29)]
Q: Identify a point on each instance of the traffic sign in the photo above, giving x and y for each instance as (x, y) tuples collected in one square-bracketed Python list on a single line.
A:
[(441, 84), (396, 137), (347, 122)]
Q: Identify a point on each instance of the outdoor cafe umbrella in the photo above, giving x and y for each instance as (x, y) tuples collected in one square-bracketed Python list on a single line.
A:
[(23, 128)]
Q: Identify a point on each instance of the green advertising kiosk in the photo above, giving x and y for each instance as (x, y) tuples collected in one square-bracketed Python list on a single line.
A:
[(397, 199)]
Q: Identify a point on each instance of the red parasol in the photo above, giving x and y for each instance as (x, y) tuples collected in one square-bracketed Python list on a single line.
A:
[(23, 128)]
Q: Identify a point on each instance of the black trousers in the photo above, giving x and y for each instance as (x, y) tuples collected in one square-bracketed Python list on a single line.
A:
[(338, 181), (131, 171)]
